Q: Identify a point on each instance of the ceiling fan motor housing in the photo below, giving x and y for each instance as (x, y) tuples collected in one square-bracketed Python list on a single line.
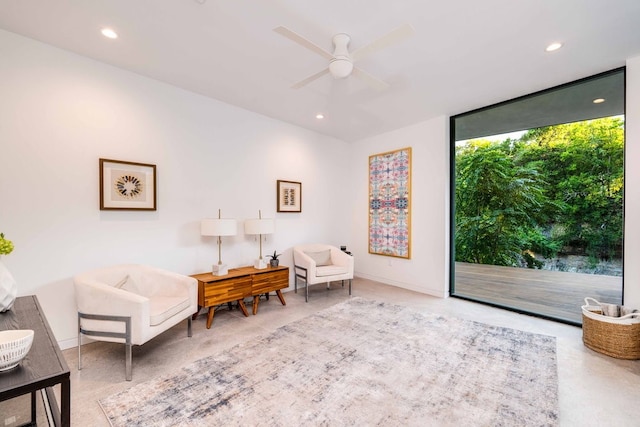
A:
[(341, 65)]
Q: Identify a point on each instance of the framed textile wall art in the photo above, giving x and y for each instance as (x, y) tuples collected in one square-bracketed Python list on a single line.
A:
[(127, 185), (390, 203)]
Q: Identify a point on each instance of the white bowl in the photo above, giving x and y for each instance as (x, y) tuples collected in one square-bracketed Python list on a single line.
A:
[(14, 346)]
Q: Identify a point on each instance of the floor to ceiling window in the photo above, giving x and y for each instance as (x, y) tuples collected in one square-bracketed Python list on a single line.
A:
[(537, 199)]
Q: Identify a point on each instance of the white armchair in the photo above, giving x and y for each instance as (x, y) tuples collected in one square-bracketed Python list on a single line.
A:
[(132, 304), (320, 263)]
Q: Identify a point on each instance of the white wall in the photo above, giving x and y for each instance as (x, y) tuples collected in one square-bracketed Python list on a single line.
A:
[(632, 186), (427, 271), (60, 113)]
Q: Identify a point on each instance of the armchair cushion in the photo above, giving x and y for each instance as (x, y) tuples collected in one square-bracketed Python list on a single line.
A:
[(321, 258), (162, 308), (331, 270), (122, 282)]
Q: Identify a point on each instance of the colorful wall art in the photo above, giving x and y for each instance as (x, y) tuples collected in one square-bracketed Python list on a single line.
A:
[(390, 203)]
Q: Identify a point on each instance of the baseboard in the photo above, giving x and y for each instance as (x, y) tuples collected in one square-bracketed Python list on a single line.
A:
[(433, 292), (70, 343)]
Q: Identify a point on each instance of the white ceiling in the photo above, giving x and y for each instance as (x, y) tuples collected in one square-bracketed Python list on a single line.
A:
[(465, 54)]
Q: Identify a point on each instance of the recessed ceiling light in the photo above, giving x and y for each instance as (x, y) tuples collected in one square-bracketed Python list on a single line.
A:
[(109, 33), (598, 100), (553, 46), (319, 116)]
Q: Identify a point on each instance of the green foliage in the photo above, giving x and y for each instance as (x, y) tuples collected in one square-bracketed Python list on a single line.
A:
[(555, 190), (6, 245), (496, 205)]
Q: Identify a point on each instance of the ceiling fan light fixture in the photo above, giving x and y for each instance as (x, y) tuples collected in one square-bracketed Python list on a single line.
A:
[(340, 68)]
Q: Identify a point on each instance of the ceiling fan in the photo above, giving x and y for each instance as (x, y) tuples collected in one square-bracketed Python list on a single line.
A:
[(341, 61)]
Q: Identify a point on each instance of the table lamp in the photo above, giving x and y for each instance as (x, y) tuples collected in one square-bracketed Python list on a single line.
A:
[(259, 226), (219, 227)]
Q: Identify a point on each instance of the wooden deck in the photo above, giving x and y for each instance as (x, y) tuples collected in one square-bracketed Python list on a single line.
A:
[(554, 294)]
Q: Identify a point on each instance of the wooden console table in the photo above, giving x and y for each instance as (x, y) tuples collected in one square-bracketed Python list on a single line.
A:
[(42, 368), (238, 284)]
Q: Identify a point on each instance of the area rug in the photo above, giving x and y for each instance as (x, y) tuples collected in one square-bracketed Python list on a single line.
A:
[(360, 362)]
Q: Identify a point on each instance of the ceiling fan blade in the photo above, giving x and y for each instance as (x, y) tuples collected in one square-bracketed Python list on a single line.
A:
[(303, 42), (310, 79), (395, 36), (374, 82)]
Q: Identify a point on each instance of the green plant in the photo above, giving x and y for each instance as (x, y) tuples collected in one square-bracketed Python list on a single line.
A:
[(6, 246), (274, 256)]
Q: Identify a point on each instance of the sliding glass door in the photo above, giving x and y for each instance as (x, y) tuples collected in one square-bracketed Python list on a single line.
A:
[(537, 199)]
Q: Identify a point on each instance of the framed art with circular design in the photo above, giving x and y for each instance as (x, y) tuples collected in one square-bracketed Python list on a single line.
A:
[(127, 185)]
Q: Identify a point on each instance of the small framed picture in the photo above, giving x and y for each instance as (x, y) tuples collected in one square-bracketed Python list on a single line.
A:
[(289, 196), (127, 185)]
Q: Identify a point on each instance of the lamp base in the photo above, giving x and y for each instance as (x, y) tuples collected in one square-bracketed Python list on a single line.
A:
[(219, 269), (259, 264)]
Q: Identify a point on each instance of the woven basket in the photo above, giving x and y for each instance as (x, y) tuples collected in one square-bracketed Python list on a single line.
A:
[(14, 346), (617, 337)]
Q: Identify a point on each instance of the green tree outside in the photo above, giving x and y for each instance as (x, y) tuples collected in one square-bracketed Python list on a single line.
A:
[(556, 190)]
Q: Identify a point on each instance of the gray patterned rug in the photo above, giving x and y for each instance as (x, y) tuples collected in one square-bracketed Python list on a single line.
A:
[(359, 362)]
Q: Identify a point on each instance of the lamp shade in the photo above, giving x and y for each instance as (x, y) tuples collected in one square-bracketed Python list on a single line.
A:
[(218, 227), (259, 226)]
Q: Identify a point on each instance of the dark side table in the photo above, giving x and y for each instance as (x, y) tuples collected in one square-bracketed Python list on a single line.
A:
[(42, 368)]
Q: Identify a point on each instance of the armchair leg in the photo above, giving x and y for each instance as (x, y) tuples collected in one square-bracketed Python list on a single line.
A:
[(126, 336), (127, 362), (349, 287), (79, 345), (302, 277), (189, 322)]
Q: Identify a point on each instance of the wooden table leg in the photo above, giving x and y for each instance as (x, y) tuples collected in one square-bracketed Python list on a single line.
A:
[(243, 308), (281, 297), (210, 317), (256, 301)]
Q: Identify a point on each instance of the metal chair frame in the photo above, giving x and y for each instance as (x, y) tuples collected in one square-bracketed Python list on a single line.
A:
[(126, 336), (303, 276)]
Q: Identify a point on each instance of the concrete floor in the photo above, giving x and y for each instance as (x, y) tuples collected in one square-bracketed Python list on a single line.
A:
[(593, 389)]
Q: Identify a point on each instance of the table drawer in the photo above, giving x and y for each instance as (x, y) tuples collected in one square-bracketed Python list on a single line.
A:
[(267, 282), (225, 291)]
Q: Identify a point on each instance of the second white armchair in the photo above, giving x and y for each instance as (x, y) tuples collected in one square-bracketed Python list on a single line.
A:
[(321, 263)]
